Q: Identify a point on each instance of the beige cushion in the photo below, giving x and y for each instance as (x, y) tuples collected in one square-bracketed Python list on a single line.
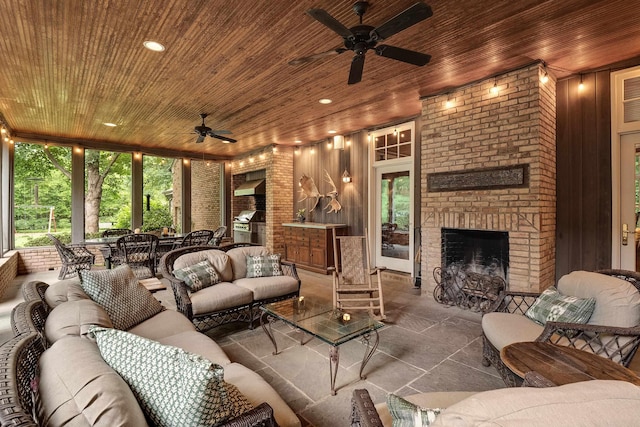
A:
[(217, 258), (73, 318), (238, 257), (268, 287), (78, 388), (432, 400), (198, 343), (502, 329), (257, 390), (617, 301), (163, 324), (589, 403), (219, 297), (63, 291)]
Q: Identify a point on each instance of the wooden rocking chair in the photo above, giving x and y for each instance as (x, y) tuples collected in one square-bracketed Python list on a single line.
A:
[(353, 285)]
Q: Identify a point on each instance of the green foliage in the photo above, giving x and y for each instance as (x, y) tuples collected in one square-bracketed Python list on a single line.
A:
[(157, 217), (123, 218)]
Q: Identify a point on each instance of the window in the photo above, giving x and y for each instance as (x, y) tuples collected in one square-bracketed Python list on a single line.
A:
[(158, 192), (42, 194), (393, 144), (107, 191)]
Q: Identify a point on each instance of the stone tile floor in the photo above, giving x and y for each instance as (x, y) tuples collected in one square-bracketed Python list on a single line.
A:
[(423, 347)]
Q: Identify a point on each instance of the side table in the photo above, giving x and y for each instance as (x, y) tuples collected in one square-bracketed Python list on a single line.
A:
[(563, 365)]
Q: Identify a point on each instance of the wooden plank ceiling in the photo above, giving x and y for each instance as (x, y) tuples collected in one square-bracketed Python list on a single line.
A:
[(68, 66)]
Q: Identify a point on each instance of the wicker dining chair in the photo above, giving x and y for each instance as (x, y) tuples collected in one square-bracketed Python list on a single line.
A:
[(139, 252), (195, 238), (218, 234), (74, 257), (112, 257)]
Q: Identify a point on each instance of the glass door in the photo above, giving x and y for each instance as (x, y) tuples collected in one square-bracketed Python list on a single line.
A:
[(394, 222), (629, 202)]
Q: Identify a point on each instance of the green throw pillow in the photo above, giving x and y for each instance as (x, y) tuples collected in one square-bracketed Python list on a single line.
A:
[(172, 386), (263, 265), (198, 276), (551, 306), (407, 414), (121, 295)]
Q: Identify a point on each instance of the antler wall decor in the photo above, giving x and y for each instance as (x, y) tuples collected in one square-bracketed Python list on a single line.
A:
[(309, 190)]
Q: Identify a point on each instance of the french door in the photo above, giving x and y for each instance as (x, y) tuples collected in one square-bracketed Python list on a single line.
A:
[(394, 217), (629, 203)]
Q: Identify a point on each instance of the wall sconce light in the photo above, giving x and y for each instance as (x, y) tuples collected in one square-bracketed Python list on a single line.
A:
[(494, 89), (346, 178), (581, 84), (338, 142)]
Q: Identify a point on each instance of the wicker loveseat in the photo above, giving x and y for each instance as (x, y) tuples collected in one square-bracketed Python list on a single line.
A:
[(237, 297), (74, 385), (613, 331)]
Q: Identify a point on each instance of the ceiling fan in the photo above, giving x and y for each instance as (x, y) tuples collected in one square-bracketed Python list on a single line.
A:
[(204, 130), (362, 38)]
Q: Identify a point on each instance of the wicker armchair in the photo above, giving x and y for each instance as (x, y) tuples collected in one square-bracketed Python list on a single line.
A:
[(110, 252), (73, 257), (218, 234), (616, 343)]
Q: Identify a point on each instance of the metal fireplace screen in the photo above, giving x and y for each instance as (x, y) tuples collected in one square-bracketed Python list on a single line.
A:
[(475, 265)]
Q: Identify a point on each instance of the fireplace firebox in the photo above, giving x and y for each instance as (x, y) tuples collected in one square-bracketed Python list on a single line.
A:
[(475, 267)]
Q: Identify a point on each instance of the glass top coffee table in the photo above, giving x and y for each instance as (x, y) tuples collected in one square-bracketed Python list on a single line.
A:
[(322, 321)]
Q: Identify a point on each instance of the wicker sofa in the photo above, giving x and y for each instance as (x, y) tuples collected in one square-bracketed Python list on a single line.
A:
[(590, 403), (73, 384), (613, 331), (237, 297)]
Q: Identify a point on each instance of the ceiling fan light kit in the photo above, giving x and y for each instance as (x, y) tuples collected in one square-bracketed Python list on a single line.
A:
[(362, 38)]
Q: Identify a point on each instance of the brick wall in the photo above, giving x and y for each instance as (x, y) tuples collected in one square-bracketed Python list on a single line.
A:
[(205, 195), (278, 164), (482, 130), (46, 258)]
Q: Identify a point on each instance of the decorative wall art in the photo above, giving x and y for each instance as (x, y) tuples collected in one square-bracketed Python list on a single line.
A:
[(309, 190)]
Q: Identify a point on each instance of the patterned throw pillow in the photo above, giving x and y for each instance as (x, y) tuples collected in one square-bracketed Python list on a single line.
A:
[(263, 265), (119, 292), (198, 276), (406, 414), (172, 386), (551, 306)]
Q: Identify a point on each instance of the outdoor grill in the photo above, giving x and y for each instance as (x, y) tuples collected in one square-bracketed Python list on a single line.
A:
[(248, 227)]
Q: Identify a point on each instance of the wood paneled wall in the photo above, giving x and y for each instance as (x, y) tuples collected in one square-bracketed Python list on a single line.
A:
[(313, 160), (583, 222)]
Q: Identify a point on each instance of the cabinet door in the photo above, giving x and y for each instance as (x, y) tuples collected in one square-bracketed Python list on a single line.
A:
[(318, 256), (291, 252)]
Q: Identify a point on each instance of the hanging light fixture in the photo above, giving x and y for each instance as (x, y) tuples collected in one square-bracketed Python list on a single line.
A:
[(581, 84), (346, 178)]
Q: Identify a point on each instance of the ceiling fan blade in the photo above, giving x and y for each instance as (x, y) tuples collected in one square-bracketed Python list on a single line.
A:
[(221, 131), (414, 14), (200, 138), (357, 65), (404, 55), (225, 139), (323, 17), (311, 58)]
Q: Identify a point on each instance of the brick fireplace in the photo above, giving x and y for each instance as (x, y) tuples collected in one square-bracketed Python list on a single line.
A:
[(475, 130)]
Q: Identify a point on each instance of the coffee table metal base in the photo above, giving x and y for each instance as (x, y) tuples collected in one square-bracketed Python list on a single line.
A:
[(334, 351)]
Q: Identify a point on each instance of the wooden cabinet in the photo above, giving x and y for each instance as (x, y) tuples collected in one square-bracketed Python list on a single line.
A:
[(310, 245)]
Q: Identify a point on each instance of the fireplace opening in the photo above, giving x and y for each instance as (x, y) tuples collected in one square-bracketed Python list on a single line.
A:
[(477, 251), (474, 269)]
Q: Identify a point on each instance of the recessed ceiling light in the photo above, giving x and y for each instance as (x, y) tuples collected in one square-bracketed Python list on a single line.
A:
[(111, 125), (333, 131), (325, 101), (154, 46), (297, 141)]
